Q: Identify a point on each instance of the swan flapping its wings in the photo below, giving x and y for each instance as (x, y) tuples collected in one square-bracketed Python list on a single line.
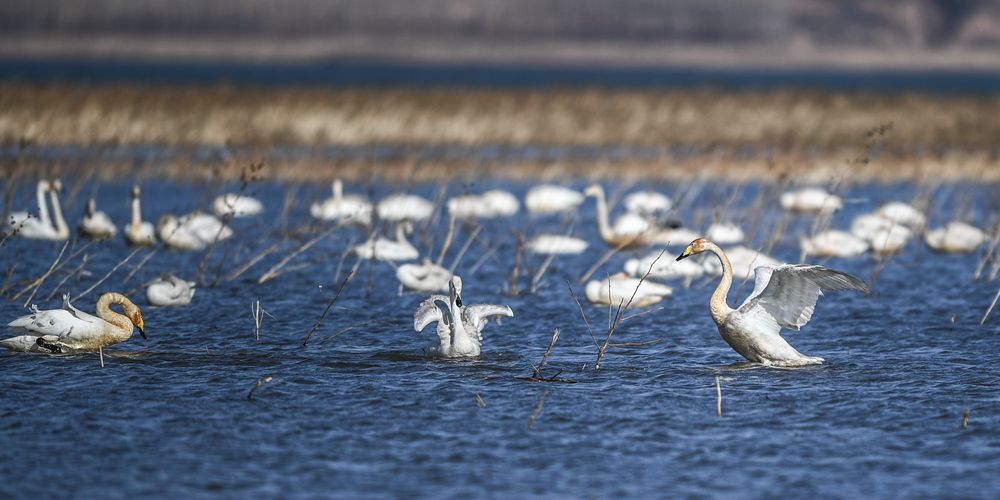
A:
[(459, 326), (784, 296)]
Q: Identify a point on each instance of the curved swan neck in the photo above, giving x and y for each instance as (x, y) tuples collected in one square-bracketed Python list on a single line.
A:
[(43, 206), (603, 226), (718, 304), (121, 321), (401, 234), (61, 228)]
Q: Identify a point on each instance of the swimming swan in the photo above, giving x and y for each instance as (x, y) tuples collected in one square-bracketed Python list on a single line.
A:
[(386, 249), (551, 199), (489, 205), (137, 232), (424, 277), (783, 297), (649, 235), (460, 326), (400, 207), (647, 203), (29, 226), (96, 224), (194, 231), (832, 243), (70, 329), (956, 237), (237, 205), (348, 207), (556, 244), (810, 201), (169, 290), (619, 289)]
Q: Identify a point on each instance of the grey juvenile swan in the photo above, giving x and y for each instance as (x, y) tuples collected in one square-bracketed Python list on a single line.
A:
[(783, 296)]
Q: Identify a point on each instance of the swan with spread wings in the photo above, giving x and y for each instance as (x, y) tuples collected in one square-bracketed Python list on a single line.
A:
[(460, 326), (784, 296)]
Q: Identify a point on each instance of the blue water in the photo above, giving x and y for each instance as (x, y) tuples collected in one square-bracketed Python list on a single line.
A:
[(360, 413), (351, 73)]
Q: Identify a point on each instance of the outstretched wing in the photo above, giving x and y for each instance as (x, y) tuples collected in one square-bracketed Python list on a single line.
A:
[(428, 312), (477, 315), (787, 294)]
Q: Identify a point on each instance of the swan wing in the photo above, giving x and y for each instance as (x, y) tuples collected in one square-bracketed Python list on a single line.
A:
[(55, 322), (479, 314), (428, 312), (786, 295)]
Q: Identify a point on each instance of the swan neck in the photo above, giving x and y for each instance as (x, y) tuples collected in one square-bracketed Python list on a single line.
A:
[(43, 207), (338, 190), (603, 226), (123, 324), (136, 213), (459, 335), (720, 310), (61, 228)]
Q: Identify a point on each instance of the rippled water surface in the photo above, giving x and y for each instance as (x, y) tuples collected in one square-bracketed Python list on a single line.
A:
[(358, 411)]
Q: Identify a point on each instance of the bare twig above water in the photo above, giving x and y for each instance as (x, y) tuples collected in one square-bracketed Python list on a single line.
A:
[(479, 400), (256, 385), (718, 397), (988, 311), (106, 276), (275, 270), (328, 306)]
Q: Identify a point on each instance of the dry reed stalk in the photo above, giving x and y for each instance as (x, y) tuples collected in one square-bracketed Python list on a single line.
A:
[(489, 253), (965, 419), (538, 409), (479, 400), (614, 323), (327, 308), (990, 309), (537, 370), (41, 279), (600, 262), (77, 270), (273, 272), (106, 276), (258, 317), (140, 265), (261, 381), (100, 353), (236, 273), (718, 397), (541, 271), (447, 239), (465, 248), (516, 271)]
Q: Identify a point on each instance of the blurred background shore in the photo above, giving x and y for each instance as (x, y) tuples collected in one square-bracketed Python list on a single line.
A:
[(763, 89)]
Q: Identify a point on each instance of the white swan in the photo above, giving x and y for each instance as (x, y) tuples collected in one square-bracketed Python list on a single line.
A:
[(194, 231), (16, 220), (618, 289), (956, 237), (424, 277), (489, 205), (725, 233), (744, 260), (460, 326), (348, 207), (647, 203), (631, 224), (70, 329), (557, 244), (612, 237), (883, 235), (832, 243), (550, 199), (810, 201), (237, 205), (783, 297), (97, 224), (169, 290), (42, 228), (663, 268), (138, 232), (28, 225), (903, 213), (385, 249), (399, 207)]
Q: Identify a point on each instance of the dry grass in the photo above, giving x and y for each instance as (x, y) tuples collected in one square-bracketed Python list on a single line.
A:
[(770, 134)]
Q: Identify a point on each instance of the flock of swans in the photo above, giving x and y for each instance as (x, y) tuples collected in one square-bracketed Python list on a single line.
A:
[(784, 295)]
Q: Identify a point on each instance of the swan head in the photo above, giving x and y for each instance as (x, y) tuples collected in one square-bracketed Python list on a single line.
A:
[(167, 224), (91, 206), (455, 290), (594, 190), (697, 246), (44, 185), (135, 192), (57, 185)]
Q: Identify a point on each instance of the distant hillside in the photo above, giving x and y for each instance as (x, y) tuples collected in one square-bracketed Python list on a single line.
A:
[(855, 32)]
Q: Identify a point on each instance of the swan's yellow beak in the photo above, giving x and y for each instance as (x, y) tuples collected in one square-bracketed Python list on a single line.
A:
[(687, 253), (139, 324)]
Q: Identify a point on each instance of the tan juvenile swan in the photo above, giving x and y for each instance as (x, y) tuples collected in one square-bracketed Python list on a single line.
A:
[(783, 296), (70, 329)]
